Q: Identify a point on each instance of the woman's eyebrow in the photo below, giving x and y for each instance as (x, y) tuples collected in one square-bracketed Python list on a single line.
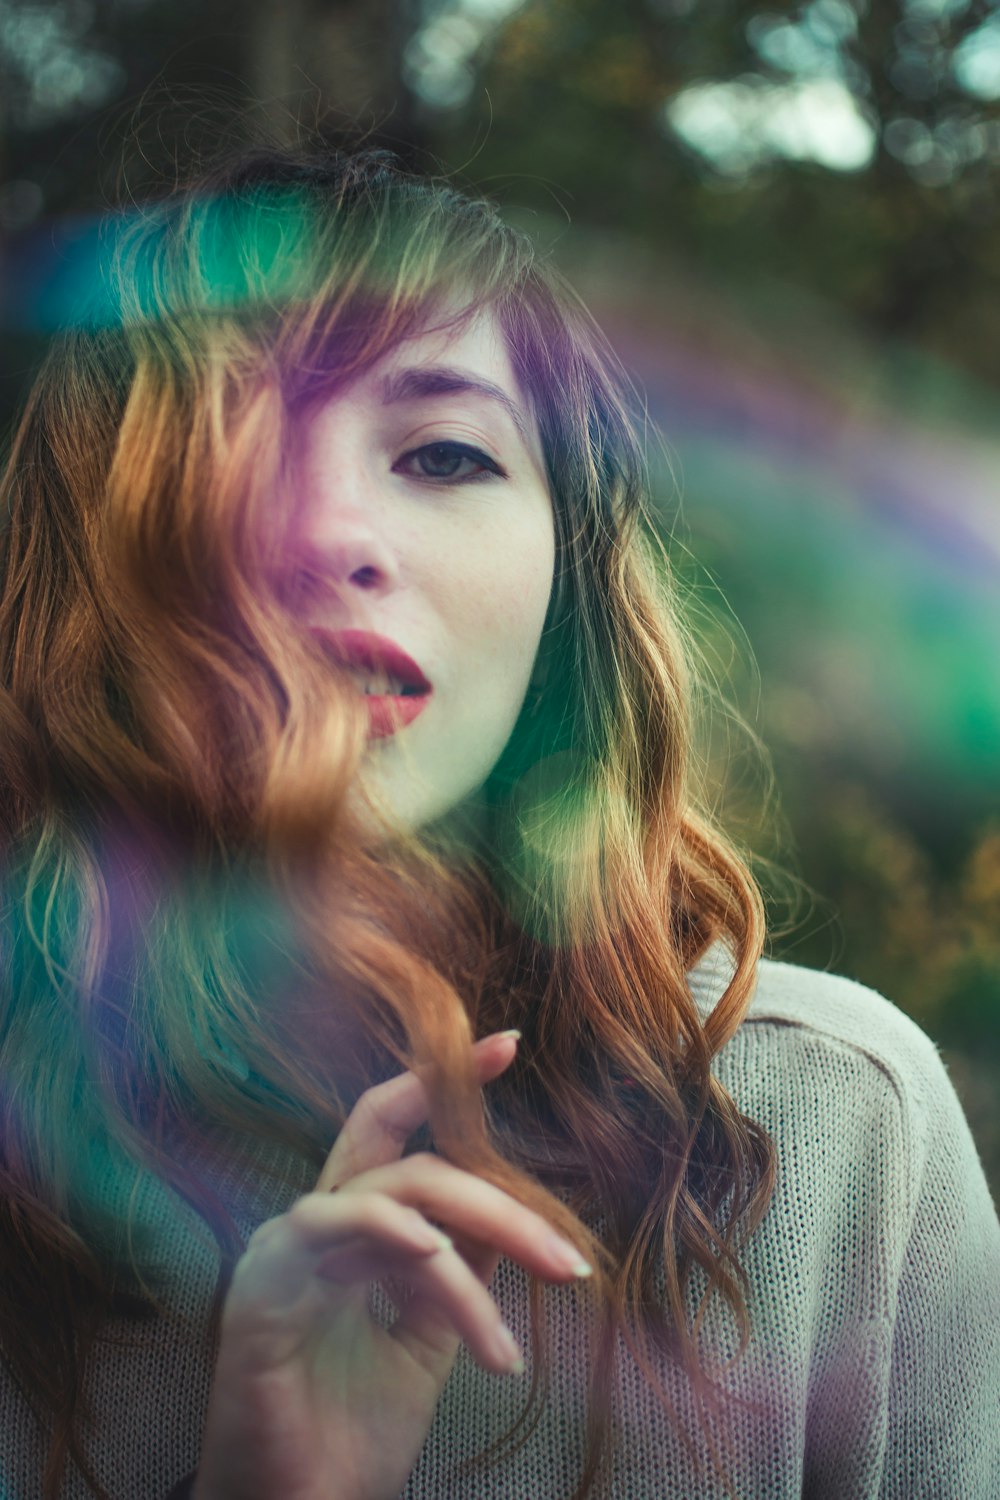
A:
[(420, 381)]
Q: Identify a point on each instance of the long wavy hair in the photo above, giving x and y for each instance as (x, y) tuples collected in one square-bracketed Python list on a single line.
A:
[(196, 930)]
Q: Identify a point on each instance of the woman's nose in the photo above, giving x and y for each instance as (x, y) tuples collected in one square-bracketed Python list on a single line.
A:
[(345, 542), (361, 558)]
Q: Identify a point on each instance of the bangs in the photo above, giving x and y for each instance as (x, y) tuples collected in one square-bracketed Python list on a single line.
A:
[(316, 278)]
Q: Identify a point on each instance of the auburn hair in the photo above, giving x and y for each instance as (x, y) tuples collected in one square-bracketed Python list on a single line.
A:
[(196, 929)]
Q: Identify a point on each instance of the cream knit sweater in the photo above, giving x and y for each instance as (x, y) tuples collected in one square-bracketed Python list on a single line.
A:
[(874, 1367)]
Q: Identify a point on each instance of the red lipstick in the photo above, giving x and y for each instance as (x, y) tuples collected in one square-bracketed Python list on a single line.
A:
[(376, 654)]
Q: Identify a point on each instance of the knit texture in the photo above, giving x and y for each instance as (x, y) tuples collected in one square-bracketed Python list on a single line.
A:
[(873, 1371)]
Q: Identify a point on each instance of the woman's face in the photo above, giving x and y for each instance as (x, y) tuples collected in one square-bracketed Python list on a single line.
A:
[(424, 498)]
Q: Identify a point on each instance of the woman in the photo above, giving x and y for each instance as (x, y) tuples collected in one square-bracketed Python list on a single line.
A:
[(380, 1011)]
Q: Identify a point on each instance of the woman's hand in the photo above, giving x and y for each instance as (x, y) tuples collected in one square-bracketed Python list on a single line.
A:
[(314, 1400)]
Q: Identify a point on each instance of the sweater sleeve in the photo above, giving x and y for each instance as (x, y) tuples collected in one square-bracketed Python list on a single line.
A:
[(943, 1440)]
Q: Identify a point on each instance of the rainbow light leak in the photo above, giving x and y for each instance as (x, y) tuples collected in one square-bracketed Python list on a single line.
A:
[(859, 545)]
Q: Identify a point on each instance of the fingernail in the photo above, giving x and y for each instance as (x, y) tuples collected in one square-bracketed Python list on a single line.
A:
[(506, 1348), (512, 1033), (429, 1237), (568, 1257)]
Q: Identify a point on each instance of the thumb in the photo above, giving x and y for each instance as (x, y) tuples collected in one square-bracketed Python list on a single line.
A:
[(377, 1129)]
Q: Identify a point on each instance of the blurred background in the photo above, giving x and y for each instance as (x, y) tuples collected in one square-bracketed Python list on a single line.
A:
[(788, 221)]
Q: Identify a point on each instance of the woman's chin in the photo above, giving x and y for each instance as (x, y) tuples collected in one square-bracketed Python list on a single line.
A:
[(386, 809)]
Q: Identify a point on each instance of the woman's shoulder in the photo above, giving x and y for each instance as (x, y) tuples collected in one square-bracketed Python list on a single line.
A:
[(846, 1012), (828, 1008), (815, 1042), (851, 1088)]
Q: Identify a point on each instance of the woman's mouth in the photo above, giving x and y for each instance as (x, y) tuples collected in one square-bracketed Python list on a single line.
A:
[(394, 688), (391, 704)]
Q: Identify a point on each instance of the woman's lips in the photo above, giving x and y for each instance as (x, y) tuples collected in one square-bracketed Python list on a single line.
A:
[(378, 656), (389, 712)]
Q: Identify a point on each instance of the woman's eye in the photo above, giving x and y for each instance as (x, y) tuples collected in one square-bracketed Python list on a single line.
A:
[(448, 463)]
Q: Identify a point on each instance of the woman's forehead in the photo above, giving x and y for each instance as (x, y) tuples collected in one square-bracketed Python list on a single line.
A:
[(477, 345), (469, 361)]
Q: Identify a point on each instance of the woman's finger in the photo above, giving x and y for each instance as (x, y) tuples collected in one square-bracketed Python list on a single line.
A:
[(378, 1127), (453, 1305), (347, 1241), (282, 1253), (465, 1206), (439, 1298)]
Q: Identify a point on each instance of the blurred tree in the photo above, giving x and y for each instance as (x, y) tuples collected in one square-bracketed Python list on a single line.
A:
[(846, 145), (79, 77), (849, 145)]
